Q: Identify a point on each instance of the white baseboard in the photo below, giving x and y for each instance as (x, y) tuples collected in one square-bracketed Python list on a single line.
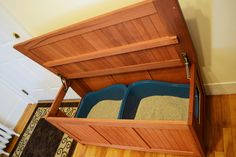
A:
[(221, 88)]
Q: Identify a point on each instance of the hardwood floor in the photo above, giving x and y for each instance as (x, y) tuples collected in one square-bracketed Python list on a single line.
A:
[(220, 133), (221, 128)]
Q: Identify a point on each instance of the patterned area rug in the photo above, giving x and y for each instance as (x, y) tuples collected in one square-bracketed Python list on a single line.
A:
[(64, 145)]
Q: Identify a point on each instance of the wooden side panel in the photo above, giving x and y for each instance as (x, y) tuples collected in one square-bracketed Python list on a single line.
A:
[(192, 94), (85, 133), (133, 77), (174, 137), (196, 126), (175, 75), (96, 83), (121, 136), (199, 124)]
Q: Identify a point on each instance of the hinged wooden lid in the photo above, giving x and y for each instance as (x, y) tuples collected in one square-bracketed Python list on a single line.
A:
[(137, 39)]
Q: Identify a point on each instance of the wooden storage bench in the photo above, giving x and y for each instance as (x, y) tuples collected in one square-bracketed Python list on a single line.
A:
[(145, 41)]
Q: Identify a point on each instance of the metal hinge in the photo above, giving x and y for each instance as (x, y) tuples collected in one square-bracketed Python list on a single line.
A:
[(64, 82), (186, 62)]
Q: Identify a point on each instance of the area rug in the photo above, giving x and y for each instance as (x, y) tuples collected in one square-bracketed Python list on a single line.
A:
[(41, 139)]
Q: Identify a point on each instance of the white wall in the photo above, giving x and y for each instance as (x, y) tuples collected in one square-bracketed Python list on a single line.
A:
[(212, 27), (11, 105)]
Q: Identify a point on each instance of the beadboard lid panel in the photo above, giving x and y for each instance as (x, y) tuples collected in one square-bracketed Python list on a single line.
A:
[(143, 41)]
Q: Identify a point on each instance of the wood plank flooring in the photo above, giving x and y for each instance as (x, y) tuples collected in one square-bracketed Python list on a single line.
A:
[(220, 133), (220, 130)]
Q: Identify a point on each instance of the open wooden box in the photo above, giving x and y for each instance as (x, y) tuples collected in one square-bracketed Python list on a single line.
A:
[(145, 41)]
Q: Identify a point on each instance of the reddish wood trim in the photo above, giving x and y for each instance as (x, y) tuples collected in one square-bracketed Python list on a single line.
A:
[(126, 69), (164, 41), (199, 76), (64, 101), (121, 123), (199, 149), (199, 127), (192, 93)]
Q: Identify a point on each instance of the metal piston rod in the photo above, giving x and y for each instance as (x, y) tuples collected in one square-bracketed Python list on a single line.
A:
[(186, 62)]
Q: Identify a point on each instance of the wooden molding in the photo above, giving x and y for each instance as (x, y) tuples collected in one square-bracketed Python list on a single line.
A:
[(126, 69), (64, 101), (164, 41), (198, 149), (192, 94), (160, 124)]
